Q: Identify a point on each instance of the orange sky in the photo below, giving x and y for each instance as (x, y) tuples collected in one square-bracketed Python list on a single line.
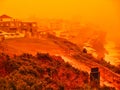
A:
[(104, 13)]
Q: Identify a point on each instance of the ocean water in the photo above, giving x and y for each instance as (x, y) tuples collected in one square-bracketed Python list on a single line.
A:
[(113, 53)]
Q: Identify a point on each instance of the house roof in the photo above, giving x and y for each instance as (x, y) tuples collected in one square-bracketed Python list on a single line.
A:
[(5, 16)]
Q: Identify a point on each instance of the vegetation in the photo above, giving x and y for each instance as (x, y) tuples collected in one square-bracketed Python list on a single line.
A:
[(107, 88), (40, 72), (114, 68), (104, 63)]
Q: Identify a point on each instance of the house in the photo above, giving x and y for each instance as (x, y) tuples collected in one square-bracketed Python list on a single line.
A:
[(5, 18), (9, 24)]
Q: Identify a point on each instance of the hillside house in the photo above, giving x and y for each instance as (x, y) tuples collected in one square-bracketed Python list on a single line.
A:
[(9, 24)]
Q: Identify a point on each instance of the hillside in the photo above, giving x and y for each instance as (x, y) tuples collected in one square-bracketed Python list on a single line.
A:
[(57, 46)]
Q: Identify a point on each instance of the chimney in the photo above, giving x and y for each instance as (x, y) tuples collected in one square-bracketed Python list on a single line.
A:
[(95, 78)]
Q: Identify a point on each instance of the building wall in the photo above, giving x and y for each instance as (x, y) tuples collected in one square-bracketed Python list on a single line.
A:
[(13, 26)]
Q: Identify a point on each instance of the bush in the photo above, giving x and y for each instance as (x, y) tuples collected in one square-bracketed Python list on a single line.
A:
[(27, 72)]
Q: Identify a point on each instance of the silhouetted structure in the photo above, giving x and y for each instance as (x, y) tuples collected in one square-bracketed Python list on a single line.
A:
[(95, 78)]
